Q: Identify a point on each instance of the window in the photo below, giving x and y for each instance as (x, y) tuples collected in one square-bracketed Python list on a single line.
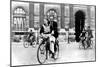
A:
[(36, 9), (36, 15), (66, 21), (19, 19), (92, 16), (36, 21)]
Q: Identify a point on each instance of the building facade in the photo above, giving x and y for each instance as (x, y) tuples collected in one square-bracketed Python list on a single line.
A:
[(31, 15)]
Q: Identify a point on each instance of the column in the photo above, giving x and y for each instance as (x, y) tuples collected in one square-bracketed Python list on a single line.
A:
[(31, 15), (70, 19), (41, 13), (88, 15), (71, 16), (62, 16)]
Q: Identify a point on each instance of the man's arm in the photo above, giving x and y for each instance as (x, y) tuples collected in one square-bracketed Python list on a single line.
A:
[(41, 30), (55, 28)]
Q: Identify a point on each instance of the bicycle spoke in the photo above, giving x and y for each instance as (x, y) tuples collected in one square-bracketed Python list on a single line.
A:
[(26, 44), (41, 54)]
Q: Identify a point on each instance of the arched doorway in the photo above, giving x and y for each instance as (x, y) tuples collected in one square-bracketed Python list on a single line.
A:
[(19, 19), (79, 23)]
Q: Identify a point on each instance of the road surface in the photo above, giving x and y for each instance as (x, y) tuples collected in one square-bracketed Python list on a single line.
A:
[(68, 53)]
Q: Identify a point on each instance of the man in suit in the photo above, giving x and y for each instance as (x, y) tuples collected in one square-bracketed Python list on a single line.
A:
[(54, 26)]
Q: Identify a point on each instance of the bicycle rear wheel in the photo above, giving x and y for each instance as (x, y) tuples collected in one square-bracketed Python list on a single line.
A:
[(41, 54), (26, 44), (91, 44), (84, 45)]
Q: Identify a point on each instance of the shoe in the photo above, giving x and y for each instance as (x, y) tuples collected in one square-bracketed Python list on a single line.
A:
[(52, 55), (31, 44)]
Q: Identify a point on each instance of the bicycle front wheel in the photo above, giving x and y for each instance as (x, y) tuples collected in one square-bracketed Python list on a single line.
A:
[(56, 52), (91, 44), (33, 44), (41, 54)]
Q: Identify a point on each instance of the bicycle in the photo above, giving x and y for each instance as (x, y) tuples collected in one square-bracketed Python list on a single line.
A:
[(29, 42), (83, 42), (90, 42), (43, 54)]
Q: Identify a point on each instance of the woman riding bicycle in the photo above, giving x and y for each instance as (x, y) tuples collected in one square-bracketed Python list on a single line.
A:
[(46, 32)]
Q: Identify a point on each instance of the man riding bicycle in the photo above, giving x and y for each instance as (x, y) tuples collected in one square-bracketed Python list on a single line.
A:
[(83, 36), (54, 26), (89, 31), (30, 37)]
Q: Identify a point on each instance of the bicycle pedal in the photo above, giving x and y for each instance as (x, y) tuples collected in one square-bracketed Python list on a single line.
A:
[(42, 52)]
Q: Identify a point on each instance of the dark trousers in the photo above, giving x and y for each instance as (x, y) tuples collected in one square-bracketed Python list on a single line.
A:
[(88, 42)]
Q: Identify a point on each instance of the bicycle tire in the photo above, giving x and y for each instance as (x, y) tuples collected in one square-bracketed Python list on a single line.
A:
[(84, 44), (91, 44), (57, 46), (39, 48), (26, 45)]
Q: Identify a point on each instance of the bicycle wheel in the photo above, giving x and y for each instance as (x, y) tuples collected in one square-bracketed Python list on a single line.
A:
[(80, 45), (26, 44), (84, 44), (41, 53), (34, 44), (91, 44), (56, 51)]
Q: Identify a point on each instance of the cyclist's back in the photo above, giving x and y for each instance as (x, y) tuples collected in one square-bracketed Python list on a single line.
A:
[(83, 34), (30, 34)]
